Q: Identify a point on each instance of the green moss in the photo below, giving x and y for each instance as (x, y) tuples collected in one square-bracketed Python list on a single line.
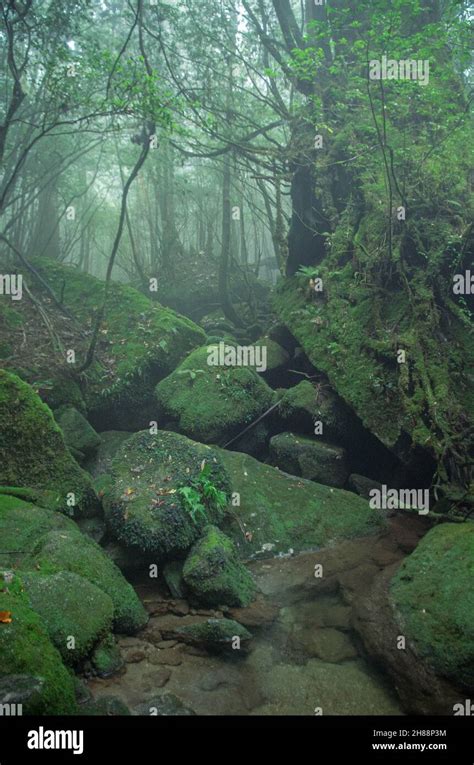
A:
[(32, 450), (26, 649), (212, 403), (309, 458), (70, 607), (215, 634), (106, 658), (432, 591), (284, 512), (276, 355), (78, 433), (214, 573), (143, 508)]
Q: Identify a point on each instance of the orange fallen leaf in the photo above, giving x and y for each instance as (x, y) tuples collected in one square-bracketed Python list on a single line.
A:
[(5, 617)]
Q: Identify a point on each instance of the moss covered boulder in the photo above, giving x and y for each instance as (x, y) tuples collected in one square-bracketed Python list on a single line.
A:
[(26, 649), (33, 452), (309, 458), (215, 635), (279, 512), (75, 612), (212, 403), (35, 538), (214, 573), (432, 593), (156, 502), (305, 404), (79, 435)]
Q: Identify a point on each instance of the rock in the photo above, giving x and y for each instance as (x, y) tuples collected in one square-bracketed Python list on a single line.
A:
[(134, 655), (106, 706), (309, 458), (276, 356), (33, 453), (99, 464), (167, 705), (304, 404), (433, 596), (145, 509), (260, 613), (72, 551), (26, 649), (106, 658), (170, 657), (173, 576), (290, 513), (362, 485), (214, 634), (93, 528), (214, 574), (83, 694), (21, 690), (212, 403), (78, 434), (326, 643), (167, 643), (69, 607)]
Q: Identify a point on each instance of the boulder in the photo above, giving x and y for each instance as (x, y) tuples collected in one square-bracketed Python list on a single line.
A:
[(167, 705), (106, 658), (165, 489), (212, 403), (309, 458), (70, 607), (33, 453), (305, 404), (214, 573), (362, 485), (275, 512), (214, 635)]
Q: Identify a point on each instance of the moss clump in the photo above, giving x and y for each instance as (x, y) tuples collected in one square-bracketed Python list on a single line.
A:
[(70, 607), (432, 592), (144, 507), (32, 449), (22, 524), (26, 649), (283, 512), (214, 573), (212, 403), (72, 551)]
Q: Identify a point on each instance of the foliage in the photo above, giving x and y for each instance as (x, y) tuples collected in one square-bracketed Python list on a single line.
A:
[(201, 495)]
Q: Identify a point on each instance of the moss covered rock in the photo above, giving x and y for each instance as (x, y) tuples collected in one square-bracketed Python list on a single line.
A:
[(304, 404), (279, 512), (215, 634), (212, 403), (276, 356), (70, 607), (72, 551), (26, 649), (433, 595), (144, 507), (33, 453), (106, 658), (309, 458), (214, 573), (78, 434), (35, 538)]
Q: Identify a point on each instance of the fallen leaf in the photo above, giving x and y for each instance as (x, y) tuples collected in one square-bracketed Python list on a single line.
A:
[(5, 617)]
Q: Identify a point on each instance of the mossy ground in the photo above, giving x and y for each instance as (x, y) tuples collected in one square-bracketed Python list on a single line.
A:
[(32, 449), (212, 403), (26, 649), (143, 508), (433, 593)]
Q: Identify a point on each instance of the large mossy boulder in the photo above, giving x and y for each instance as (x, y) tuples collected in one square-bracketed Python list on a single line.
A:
[(214, 635), (26, 650), (309, 458), (75, 612), (280, 512), (212, 403), (214, 573), (34, 538), (305, 404), (144, 506), (140, 342), (434, 596), (33, 453)]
